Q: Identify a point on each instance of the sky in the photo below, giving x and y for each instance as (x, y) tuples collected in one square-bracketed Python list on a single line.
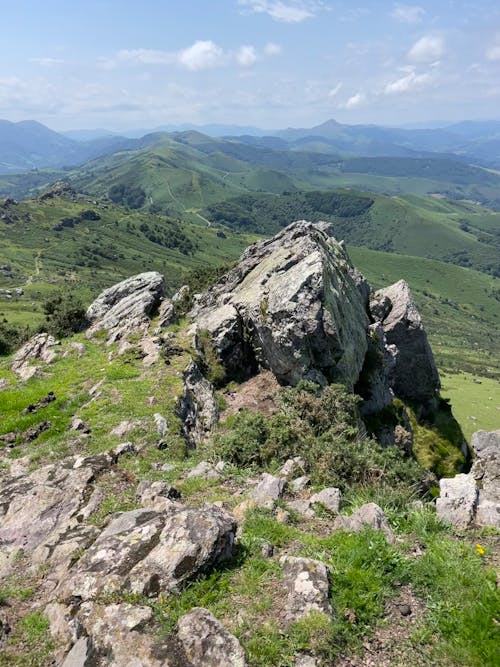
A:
[(125, 64)]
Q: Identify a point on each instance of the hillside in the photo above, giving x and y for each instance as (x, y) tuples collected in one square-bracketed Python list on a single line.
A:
[(149, 512)]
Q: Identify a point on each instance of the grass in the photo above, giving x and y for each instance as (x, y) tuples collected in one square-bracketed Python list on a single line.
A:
[(30, 644)]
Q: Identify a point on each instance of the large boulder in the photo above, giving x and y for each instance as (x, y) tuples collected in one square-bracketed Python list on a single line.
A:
[(126, 306), (474, 498), (416, 377), (290, 305)]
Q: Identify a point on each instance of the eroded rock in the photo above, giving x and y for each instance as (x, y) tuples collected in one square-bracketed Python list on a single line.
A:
[(30, 358), (197, 407), (369, 515), (307, 586)]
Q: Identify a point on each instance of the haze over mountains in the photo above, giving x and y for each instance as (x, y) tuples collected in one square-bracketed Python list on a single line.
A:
[(30, 145)]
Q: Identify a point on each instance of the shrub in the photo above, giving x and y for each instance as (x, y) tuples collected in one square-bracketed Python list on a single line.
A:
[(323, 428), (64, 315), (12, 337)]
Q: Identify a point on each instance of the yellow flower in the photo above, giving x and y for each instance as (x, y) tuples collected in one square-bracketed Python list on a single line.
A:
[(480, 550)]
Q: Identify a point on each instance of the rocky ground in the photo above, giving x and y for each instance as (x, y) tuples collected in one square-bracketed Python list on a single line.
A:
[(126, 539)]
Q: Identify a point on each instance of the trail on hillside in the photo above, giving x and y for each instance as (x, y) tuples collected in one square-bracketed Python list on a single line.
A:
[(36, 272)]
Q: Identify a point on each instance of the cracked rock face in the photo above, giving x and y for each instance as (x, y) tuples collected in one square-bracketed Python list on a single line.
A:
[(290, 305), (197, 406), (415, 374), (40, 349), (126, 306)]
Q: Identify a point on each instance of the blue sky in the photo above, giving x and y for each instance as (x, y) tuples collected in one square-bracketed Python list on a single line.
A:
[(123, 64)]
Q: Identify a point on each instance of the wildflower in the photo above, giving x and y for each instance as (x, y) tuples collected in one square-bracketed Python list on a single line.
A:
[(480, 550)]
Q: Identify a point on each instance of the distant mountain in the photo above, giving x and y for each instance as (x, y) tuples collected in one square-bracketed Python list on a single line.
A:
[(89, 135)]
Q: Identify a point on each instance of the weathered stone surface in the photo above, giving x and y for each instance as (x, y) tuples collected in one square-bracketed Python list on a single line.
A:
[(268, 490), (369, 515), (127, 539), (377, 375), (290, 305), (157, 496), (166, 314), (475, 497), (197, 406), (38, 351), (192, 540), (206, 642), (307, 585), (293, 467), (207, 470), (299, 483), (330, 498), (458, 500), (38, 510), (126, 306), (415, 373), (81, 655)]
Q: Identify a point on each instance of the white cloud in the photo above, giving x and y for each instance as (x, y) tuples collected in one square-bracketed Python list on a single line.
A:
[(147, 56), (201, 55), (335, 90), (408, 13), (427, 49), (46, 62), (272, 49), (246, 56), (289, 11), (406, 83), (493, 53), (355, 101)]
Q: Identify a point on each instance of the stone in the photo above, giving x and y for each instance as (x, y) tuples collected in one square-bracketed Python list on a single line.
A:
[(206, 642), (161, 424), (192, 540), (475, 497), (415, 374), (307, 586), (81, 655), (58, 616), (330, 498), (293, 467), (78, 424), (205, 470), (39, 509), (282, 516), (290, 305), (369, 515), (123, 448), (268, 490), (197, 407), (377, 375), (306, 661), (126, 307), (299, 484), (39, 348), (157, 495), (103, 568), (125, 427), (166, 314)]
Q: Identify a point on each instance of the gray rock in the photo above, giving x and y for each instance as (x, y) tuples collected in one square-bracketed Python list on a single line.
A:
[(157, 495), (161, 424), (458, 500), (377, 375), (206, 642), (299, 484), (205, 470), (38, 510), (166, 314), (369, 515), (293, 467), (40, 348), (192, 540), (475, 497), (126, 307), (307, 586), (125, 427), (268, 490), (415, 374), (128, 539), (197, 407), (330, 498), (290, 305), (81, 655), (306, 661)]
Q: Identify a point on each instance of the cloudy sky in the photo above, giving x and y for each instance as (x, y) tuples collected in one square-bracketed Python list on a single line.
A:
[(123, 64)]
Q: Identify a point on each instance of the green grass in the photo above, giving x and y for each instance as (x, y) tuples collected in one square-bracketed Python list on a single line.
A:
[(475, 401)]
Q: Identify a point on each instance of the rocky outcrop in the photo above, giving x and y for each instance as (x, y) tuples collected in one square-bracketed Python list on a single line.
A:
[(369, 515), (38, 350), (197, 407), (416, 377), (290, 305), (474, 498), (125, 307)]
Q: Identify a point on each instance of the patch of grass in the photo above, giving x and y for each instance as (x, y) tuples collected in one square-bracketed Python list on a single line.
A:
[(30, 644), (475, 401), (462, 623)]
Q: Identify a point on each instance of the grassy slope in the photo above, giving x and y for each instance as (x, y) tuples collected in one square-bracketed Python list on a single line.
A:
[(95, 254)]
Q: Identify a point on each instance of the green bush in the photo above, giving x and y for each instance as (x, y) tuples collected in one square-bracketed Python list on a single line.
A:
[(323, 428), (64, 315), (12, 337)]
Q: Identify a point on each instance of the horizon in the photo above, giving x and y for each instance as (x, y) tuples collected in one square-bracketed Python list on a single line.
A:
[(119, 65)]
